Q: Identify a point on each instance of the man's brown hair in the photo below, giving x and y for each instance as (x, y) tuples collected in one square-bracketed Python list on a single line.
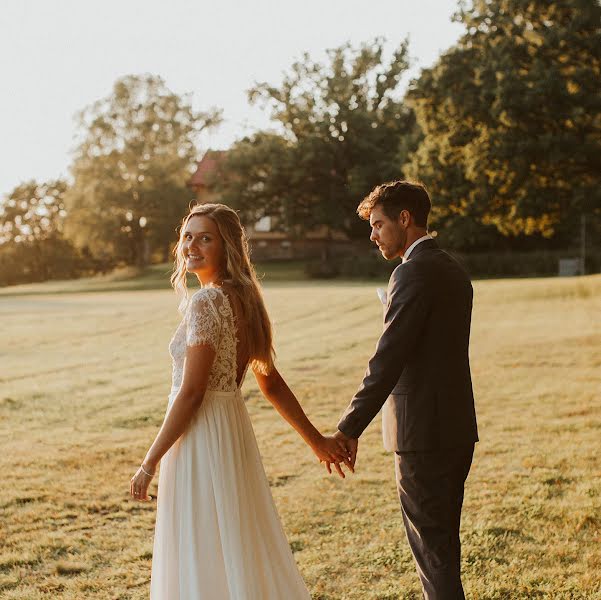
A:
[(396, 196)]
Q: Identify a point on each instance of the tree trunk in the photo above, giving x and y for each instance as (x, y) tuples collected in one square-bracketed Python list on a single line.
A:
[(326, 253), (143, 252)]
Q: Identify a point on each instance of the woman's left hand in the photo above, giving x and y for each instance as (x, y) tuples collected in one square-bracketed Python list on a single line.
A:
[(138, 485), (328, 449)]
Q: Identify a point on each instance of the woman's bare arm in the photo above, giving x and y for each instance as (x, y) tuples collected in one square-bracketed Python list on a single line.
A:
[(197, 367), (276, 390)]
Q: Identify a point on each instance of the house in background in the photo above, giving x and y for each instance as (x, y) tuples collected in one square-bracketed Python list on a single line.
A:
[(268, 242), (199, 182)]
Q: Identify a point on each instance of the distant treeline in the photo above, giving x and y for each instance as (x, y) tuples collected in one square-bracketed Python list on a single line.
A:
[(505, 130)]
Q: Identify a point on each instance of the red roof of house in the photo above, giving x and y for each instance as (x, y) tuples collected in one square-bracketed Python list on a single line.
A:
[(206, 165)]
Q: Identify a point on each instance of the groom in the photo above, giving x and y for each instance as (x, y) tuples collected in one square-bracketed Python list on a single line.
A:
[(420, 377)]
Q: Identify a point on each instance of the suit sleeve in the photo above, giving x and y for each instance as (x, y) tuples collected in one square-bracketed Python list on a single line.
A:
[(406, 314)]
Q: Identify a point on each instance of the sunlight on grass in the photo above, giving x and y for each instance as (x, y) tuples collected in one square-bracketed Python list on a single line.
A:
[(84, 380)]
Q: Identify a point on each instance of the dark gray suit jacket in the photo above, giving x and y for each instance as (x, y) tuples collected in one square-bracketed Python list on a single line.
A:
[(420, 372)]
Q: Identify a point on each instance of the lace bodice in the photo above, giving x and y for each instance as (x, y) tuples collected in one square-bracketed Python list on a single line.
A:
[(208, 320)]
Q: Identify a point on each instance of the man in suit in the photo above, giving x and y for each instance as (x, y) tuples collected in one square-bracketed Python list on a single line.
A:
[(420, 377)]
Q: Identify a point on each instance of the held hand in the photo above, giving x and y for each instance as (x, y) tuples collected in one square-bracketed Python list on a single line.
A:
[(330, 450), (350, 445), (138, 485)]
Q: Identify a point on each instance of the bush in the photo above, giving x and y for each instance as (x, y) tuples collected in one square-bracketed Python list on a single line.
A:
[(522, 264), (367, 266), (479, 265), (351, 266), (322, 269), (40, 260)]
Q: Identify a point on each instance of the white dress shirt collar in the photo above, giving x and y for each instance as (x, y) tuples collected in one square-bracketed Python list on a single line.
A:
[(419, 240)]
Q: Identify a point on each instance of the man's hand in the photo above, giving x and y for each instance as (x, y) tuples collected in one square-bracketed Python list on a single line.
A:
[(329, 449), (351, 446)]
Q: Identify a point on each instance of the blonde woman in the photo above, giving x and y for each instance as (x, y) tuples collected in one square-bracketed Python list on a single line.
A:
[(218, 535)]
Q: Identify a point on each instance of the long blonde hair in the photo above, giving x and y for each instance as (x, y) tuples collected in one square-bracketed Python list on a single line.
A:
[(239, 274)]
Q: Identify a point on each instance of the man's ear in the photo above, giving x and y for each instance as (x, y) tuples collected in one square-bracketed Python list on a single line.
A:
[(405, 218)]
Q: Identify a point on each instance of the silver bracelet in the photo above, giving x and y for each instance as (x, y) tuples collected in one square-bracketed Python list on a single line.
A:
[(146, 472)]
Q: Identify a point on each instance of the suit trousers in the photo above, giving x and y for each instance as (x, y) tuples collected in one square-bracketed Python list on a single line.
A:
[(430, 486)]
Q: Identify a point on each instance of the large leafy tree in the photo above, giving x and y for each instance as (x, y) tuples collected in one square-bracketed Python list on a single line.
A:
[(134, 156), (341, 128), (511, 118)]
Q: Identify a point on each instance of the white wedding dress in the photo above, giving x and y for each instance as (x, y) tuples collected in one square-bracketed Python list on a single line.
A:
[(218, 535)]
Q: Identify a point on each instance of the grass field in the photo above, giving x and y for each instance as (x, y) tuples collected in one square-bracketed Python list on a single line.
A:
[(84, 379), (153, 277)]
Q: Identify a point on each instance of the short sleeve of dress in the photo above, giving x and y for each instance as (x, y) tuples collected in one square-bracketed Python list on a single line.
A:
[(203, 321)]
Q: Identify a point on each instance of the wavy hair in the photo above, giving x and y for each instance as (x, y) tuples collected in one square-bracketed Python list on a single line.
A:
[(396, 196), (239, 273)]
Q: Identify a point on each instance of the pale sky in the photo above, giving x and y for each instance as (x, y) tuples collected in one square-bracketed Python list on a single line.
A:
[(58, 56)]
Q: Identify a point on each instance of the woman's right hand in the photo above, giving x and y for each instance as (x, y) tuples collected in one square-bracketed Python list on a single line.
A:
[(138, 484)]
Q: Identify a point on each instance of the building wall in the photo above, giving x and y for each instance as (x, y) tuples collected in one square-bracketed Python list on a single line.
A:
[(204, 196)]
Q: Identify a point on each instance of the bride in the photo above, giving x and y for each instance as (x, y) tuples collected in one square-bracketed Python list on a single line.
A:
[(218, 534)]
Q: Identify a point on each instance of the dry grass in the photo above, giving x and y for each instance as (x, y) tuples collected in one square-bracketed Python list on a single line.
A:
[(83, 386)]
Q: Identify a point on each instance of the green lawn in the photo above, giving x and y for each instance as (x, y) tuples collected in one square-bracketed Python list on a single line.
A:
[(84, 379), (154, 277)]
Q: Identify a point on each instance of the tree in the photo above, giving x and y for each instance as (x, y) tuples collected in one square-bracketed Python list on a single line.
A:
[(134, 156), (342, 129), (33, 211), (511, 118), (32, 246)]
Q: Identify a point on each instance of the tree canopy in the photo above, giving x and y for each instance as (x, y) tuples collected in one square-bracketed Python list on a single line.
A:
[(135, 153), (341, 128), (32, 245), (511, 117), (32, 211)]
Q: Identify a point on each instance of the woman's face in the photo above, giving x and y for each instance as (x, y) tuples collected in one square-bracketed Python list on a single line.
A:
[(202, 246)]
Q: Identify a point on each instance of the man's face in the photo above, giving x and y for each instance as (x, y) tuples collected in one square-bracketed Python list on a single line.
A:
[(390, 235)]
